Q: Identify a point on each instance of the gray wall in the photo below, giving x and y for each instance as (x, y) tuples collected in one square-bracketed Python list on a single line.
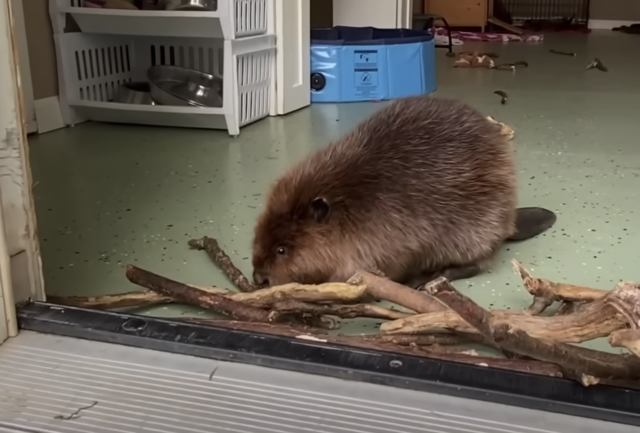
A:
[(623, 10), (42, 55)]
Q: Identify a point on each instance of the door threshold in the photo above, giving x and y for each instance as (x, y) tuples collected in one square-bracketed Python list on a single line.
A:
[(58, 384), (397, 372)]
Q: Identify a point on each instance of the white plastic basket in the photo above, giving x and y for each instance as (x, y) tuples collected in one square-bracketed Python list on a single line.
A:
[(234, 19), (91, 67)]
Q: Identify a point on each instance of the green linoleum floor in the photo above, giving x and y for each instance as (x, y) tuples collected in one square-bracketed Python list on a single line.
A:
[(110, 195)]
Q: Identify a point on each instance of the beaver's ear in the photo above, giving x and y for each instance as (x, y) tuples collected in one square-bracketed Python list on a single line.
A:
[(319, 209)]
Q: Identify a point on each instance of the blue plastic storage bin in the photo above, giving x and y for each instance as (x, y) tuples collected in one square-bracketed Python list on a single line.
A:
[(350, 64)]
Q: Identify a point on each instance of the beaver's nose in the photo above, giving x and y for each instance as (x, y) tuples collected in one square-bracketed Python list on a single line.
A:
[(260, 279)]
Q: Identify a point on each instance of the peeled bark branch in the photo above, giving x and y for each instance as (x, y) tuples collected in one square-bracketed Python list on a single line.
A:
[(567, 308), (223, 261), (593, 320), (627, 338), (385, 345), (108, 302), (342, 311), (145, 298), (387, 290), (420, 340), (190, 295), (625, 298), (321, 293), (576, 360), (293, 331), (547, 292), (586, 365)]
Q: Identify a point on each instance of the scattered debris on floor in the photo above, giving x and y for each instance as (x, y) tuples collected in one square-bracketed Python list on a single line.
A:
[(597, 64), (477, 59), (519, 63), (505, 67), (484, 60), (213, 373), (460, 37), (473, 60), (511, 66), (76, 414), (428, 323), (563, 53), (503, 96), (633, 29)]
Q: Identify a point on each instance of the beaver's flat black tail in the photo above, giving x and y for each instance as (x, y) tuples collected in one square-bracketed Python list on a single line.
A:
[(532, 221)]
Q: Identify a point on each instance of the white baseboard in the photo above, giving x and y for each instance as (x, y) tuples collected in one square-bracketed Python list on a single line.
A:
[(48, 114), (608, 24)]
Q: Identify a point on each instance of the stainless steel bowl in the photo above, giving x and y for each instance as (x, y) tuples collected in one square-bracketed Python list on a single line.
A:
[(174, 85), (134, 92), (189, 5)]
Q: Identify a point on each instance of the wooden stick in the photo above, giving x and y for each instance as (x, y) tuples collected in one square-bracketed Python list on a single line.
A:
[(311, 320), (476, 316), (547, 292), (387, 290), (420, 340), (145, 298), (321, 293), (190, 295), (586, 365), (443, 339), (593, 320), (252, 306), (627, 338), (378, 343), (578, 360), (108, 302), (567, 308), (625, 298), (331, 292), (342, 311), (223, 261)]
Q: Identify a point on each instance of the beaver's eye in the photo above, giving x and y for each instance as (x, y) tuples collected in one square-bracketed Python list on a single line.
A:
[(281, 251)]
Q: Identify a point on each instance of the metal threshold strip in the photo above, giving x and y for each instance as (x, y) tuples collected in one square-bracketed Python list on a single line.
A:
[(87, 374)]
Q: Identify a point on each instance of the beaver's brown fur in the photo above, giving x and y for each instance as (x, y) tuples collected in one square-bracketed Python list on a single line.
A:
[(424, 187)]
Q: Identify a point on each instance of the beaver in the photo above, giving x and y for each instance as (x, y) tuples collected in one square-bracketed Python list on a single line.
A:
[(425, 187)]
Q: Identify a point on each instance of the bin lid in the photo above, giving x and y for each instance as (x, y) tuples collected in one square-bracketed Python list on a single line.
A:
[(346, 35)]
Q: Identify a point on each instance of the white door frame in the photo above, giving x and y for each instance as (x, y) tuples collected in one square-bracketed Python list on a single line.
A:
[(404, 16), (20, 265), (375, 13), (8, 319), (9, 123), (16, 9), (291, 74)]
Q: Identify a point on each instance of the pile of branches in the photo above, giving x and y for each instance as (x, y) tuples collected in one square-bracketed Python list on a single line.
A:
[(430, 323)]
